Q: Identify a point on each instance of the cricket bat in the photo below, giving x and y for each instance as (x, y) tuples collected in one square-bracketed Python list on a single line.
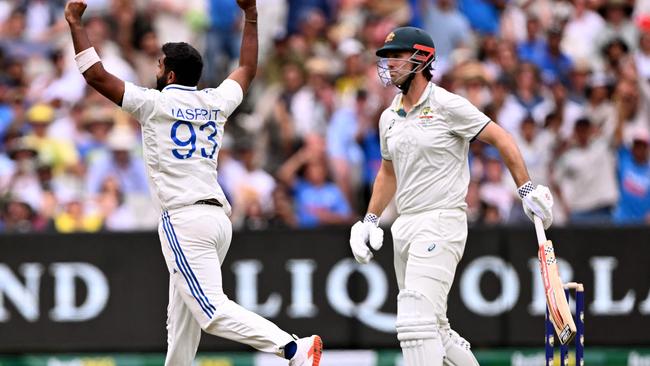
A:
[(558, 307)]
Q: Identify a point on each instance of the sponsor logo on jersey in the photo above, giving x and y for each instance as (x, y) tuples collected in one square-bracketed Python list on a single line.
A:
[(426, 113)]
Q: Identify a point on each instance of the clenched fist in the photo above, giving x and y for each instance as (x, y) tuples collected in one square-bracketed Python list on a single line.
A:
[(74, 9)]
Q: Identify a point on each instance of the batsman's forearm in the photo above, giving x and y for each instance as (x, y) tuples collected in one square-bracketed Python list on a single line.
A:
[(512, 158), (382, 191), (249, 44)]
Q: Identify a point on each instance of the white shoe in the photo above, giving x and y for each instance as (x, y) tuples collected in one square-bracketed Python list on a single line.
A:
[(308, 352)]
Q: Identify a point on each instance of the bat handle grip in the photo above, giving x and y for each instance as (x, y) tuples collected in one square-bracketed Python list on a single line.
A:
[(539, 229)]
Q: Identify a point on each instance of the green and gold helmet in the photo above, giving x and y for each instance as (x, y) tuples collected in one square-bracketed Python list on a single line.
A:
[(410, 39)]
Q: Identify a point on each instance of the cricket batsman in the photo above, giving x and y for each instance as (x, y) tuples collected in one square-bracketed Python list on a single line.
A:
[(425, 136), (182, 130)]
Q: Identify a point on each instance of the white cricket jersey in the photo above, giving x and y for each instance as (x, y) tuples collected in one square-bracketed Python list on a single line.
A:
[(429, 149), (182, 129)]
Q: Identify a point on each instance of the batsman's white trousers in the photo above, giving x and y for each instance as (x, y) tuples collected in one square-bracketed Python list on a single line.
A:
[(194, 241), (428, 247)]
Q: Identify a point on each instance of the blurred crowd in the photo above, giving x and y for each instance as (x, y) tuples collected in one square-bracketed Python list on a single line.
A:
[(569, 79)]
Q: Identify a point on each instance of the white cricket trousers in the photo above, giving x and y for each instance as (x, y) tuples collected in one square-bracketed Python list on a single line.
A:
[(194, 241), (428, 247)]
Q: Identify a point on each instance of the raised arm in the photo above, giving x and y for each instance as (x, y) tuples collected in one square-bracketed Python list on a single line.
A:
[(247, 69), (87, 59)]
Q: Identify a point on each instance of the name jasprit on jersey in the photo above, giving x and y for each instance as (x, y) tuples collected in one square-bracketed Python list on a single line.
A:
[(189, 114)]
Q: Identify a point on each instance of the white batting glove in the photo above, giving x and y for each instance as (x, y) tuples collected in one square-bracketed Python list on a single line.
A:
[(537, 201), (363, 233)]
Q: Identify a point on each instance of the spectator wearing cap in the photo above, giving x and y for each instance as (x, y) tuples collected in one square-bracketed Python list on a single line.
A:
[(447, 26), (127, 169), (586, 175), (23, 184), (633, 172), (473, 83), (618, 24), (60, 154), (96, 122)]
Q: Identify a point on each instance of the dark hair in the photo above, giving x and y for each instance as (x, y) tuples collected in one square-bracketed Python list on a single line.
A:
[(185, 61), (427, 73)]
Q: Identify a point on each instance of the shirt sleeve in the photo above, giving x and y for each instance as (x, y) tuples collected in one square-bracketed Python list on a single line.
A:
[(139, 102), (383, 128), (465, 120), (230, 94)]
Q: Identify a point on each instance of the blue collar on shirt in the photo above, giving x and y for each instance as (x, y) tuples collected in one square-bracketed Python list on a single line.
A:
[(180, 87)]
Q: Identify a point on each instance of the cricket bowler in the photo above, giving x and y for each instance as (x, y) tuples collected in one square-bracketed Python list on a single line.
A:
[(182, 130), (425, 136)]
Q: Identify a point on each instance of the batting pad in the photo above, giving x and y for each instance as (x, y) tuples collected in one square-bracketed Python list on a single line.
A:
[(417, 330)]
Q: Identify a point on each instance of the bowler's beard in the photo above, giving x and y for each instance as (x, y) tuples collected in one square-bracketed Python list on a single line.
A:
[(161, 82)]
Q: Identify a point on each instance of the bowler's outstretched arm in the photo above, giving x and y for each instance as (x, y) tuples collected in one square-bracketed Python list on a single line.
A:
[(247, 69), (96, 76)]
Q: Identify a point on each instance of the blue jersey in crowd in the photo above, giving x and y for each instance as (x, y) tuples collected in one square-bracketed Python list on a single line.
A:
[(634, 187), (310, 198)]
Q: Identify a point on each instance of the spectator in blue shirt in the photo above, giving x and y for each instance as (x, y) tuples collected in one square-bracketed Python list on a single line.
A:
[(318, 201), (634, 181), (344, 152), (554, 64), (533, 48), (483, 15)]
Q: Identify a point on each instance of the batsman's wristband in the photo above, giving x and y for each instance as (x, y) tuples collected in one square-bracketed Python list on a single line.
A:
[(86, 59), (525, 189), (371, 218)]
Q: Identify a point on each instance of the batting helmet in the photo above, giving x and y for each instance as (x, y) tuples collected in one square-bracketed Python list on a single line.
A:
[(410, 39)]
